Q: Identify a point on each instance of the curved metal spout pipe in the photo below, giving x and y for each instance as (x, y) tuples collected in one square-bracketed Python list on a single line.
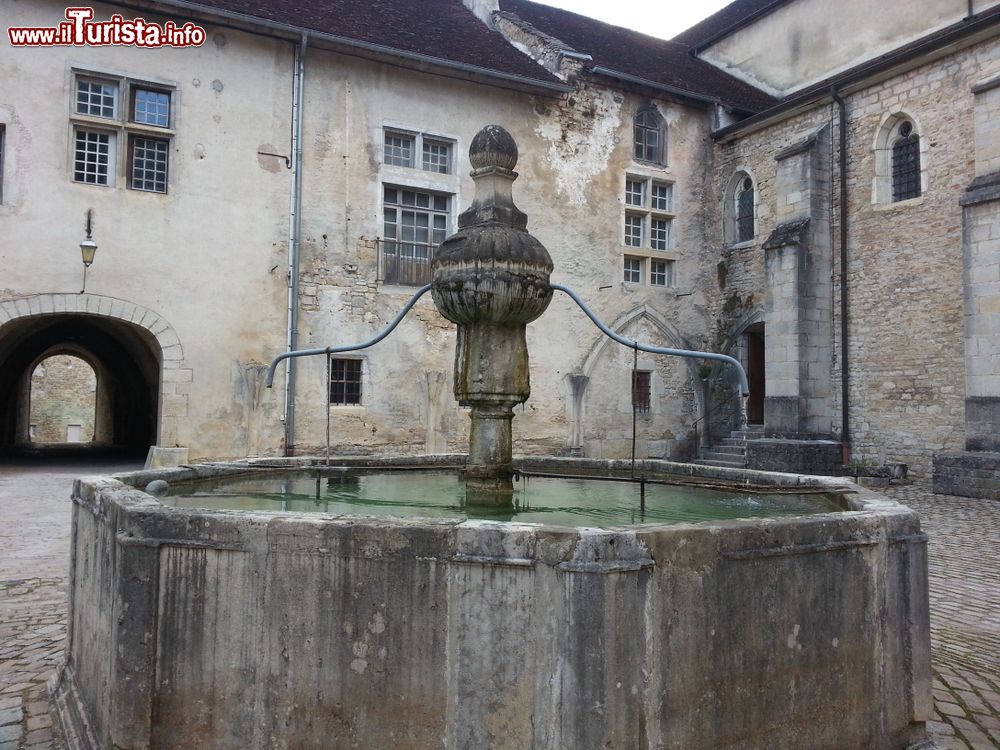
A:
[(744, 383), (350, 347)]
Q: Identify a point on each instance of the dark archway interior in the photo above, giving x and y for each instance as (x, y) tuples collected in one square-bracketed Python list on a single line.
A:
[(125, 359)]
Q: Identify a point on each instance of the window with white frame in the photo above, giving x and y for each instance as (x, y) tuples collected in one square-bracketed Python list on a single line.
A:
[(648, 228), (403, 149), (633, 270), (112, 115), (661, 273), (414, 223)]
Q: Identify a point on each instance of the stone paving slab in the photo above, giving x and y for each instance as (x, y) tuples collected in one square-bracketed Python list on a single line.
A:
[(964, 582), (964, 586)]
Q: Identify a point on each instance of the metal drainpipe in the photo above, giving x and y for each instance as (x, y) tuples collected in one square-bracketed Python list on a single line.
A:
[(845, 435), (294, 228)]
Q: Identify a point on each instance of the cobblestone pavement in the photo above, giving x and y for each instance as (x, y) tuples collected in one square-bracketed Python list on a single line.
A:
[(964, 583), (34, 548), (34, 562)]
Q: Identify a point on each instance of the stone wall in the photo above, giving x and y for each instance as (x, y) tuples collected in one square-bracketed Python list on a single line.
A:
[(905, 262), (575, 153), (63, 393)]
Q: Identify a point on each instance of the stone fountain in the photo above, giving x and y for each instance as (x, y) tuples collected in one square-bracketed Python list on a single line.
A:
[(263, 630), (492, 278)]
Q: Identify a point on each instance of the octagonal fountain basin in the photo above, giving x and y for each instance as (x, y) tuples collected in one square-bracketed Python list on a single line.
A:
[(629, 622)]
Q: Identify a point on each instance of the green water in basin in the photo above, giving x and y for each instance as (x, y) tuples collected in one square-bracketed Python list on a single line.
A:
[(441, 494)]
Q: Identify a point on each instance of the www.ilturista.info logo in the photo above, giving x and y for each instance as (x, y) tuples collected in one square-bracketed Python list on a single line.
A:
[(80, 31)]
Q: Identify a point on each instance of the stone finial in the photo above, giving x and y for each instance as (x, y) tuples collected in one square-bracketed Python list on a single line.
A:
[(491, 278), (493, 154), (493, 147)]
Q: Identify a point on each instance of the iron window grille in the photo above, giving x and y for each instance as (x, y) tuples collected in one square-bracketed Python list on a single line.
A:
[(345, 382), (906, 164), (641, 391)]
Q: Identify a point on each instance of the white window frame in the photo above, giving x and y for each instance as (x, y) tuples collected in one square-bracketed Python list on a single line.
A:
[(632, 265), (418, 140), (643, 208), (122, 128)]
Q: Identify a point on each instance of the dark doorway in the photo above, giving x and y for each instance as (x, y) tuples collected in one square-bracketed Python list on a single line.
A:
[(755, 373), (126, 362)]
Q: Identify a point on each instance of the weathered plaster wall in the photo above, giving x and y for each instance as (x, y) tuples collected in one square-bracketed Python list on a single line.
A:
[(208, 257), (803, 42), (574, 155)]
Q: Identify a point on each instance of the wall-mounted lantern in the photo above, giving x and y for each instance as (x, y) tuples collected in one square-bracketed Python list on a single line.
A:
[(88, 249)]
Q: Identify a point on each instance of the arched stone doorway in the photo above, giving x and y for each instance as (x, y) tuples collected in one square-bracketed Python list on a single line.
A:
[(63, 400), (130, 348)]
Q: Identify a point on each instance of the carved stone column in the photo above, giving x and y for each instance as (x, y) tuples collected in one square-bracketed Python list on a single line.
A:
[(492, 278)]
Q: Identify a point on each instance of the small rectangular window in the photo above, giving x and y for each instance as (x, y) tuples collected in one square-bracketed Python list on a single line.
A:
[(437, 156), (661, 273), (659, 234), (151, 107), (633, 270), (94, 157), (345, 381), (148, 164), (641, 380), (399, 149), (635, 192), (96, 98), (663, 197), (633, 230)]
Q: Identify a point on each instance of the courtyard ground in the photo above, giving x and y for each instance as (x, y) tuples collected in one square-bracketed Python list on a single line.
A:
[(34, 549)]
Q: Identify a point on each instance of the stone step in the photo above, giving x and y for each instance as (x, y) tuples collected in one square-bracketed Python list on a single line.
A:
[(722, 464), (748, 434), (727, 458), (729, 448)]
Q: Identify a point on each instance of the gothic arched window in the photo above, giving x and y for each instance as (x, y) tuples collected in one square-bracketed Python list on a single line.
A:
[(649, 136)]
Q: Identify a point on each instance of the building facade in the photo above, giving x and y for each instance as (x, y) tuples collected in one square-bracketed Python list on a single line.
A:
[(817, 205)]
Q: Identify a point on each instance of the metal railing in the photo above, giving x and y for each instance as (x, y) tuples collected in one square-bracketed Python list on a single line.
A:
[(405, 263)]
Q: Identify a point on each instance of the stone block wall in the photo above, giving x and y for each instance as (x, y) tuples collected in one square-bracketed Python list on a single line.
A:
[(907, 365), (63, 394), (967, 474)]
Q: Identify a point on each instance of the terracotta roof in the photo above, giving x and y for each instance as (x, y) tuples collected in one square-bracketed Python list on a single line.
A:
[(441, 29), (730, 18), (667, 63)]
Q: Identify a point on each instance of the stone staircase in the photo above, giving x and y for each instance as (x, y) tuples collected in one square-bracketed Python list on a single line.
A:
[(730, 452)]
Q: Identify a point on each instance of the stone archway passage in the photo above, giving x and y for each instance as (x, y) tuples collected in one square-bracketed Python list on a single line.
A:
[(127, 346), (63, 399)]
